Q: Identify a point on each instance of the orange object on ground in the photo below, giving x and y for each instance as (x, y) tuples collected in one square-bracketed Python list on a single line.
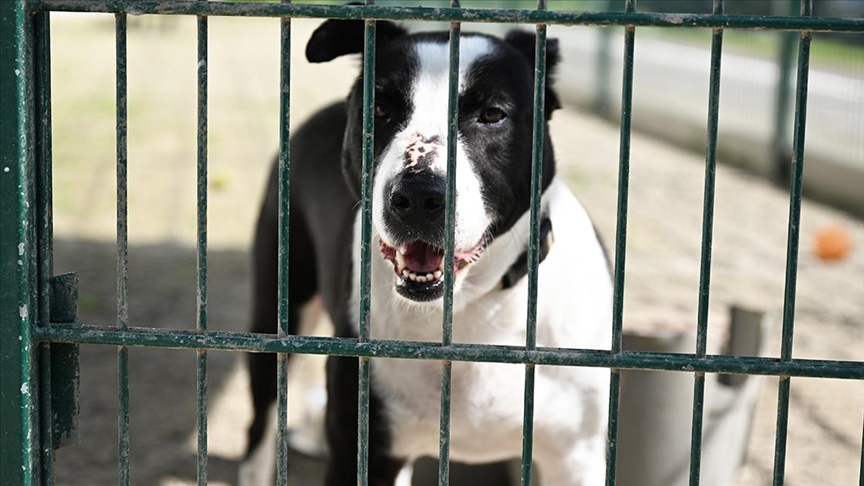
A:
[(832, 243)]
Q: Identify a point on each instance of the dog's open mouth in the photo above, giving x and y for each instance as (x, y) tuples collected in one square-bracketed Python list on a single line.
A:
[(419, 267)]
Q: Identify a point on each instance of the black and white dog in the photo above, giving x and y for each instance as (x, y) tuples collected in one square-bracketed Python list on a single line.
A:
[(490, 292)]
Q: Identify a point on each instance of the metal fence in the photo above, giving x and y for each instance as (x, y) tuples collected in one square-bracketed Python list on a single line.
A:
[(40, 330)]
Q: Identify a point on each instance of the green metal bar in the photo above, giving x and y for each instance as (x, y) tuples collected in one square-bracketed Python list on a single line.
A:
[(19, 436), (797, 183), (538, 138), (449, 250), (46, 435), (201, 323), (612, 430), (122, 160), (42, 58), (444, 427), (268, 343), (42, 54), (371, 12), (528, 426), (368, 166), (284, 231), (365, 248), (620, 246), (861, 461), (707, 238), (122, 253)]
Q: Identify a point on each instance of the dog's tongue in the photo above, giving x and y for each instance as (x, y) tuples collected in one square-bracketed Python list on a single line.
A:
[(422, 257)]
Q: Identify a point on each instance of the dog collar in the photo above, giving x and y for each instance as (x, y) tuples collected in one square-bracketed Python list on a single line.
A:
[(520, 267)]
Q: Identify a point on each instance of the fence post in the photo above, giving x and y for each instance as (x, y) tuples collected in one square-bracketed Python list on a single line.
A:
[(781, 148), (19, 436), (600, 103)]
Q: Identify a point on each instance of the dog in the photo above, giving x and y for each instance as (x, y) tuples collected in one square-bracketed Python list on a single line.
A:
[(493, 167)]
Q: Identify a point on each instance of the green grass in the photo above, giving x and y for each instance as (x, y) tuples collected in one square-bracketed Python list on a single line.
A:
[(825, 51)]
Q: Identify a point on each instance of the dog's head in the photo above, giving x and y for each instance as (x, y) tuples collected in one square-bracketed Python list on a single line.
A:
[(493, 154)]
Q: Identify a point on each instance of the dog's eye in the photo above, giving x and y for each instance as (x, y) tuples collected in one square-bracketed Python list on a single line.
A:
[(381, 111), (492, 115)]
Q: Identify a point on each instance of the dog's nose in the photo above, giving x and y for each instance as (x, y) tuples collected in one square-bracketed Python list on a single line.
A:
[(417, 198)]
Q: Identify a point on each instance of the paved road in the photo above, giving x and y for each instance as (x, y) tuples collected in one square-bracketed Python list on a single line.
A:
[(672, 79)]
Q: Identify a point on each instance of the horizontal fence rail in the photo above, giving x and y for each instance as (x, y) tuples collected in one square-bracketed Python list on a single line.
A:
[(268, 343), (377, 12)]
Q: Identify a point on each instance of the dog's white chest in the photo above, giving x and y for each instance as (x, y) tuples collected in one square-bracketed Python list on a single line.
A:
[(485, 408), (486, 398)]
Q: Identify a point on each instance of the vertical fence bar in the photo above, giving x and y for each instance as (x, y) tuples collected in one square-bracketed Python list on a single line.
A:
[(861, 461), (620, 244), (19, 438), (365, 248), (122, 252), (201, 323), (707, 237), (796, 185), (538, 137), (449, 250), (42, 71), (284, 212)]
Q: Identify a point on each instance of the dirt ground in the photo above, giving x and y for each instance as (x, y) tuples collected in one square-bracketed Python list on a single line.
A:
[(662, 261)]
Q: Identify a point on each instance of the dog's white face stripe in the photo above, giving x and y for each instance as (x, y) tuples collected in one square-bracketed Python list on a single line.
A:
[(429, 95), (431, 88)]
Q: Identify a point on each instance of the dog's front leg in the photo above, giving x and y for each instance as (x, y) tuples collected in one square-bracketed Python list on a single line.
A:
[(342, 391), (584, 465)]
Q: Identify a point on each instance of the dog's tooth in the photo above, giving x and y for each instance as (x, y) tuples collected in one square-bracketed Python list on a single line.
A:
[(437, 274), (400, 260), (429, 277), (421, 278), (405, 272)]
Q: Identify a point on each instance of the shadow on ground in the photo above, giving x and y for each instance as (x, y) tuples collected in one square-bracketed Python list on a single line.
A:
[(162, 383)]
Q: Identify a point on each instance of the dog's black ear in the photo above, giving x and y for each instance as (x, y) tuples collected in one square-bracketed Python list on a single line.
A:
[(336, 38), (523, 42)]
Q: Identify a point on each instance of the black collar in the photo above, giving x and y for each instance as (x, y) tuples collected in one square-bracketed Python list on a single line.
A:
[(520, 267)]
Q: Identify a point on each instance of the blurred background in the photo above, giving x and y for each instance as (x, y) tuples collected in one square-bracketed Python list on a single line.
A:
[(664, 231)]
